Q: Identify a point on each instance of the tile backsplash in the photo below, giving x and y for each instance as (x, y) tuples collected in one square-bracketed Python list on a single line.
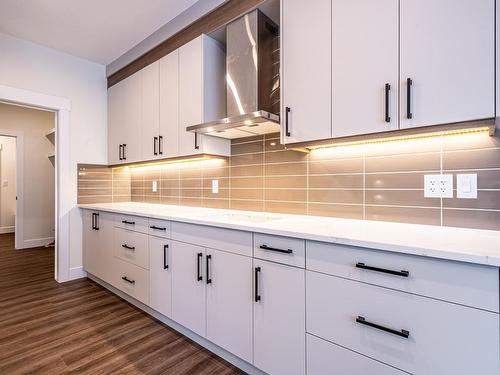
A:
[(380, 181)]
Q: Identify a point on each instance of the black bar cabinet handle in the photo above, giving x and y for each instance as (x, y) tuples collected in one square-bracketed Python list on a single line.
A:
[(157, 228), (409, 83), (155, 143), (93, 221), (160, 145), (165, 264), (198, 267), (265, 247), (287, 131), (128, 222), (125, 278), (387, 94), (209, 279), (125, 246), (257, 296), (402, 333), (401, 273), (124, 149), (120, 151), (196, 146)]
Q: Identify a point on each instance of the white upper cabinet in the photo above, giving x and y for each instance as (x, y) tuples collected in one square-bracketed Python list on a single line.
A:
[(306, 70), (365, 66), (201, 94), (447, 51), (150, 111), (168, 137)]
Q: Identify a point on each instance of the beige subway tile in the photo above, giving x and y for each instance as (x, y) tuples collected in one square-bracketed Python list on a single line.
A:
[(395, 181), (90, 168), (191, 183), (195, 202), (470, 141), (170, 184), (223, 193), (336, 210), (401, 147), (191, 193), (247, 182), (285, 156), (247, 159), (170, 200), (215, 203), (96, 191), (296, 208), (245, 148), (103, 184), (299, 195), (486, 199), (121, 191), (137, 198), (170, 173), (247, 205), (336, 181), (275, 135), (414, 215), (400, 198), (152, 198), (121, 198), (337, 153), (286, 182), (273, 144), (251, 170), (472, 219), (192, 172), (216, 172), (170, 192), (89, 175), (288, 169), (336, 166), (336, 196), (252, 138), (404, 163), (247, 194), (475, 159), (95, 199)]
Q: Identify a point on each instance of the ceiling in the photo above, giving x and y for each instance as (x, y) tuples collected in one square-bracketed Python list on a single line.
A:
[(96, 30)]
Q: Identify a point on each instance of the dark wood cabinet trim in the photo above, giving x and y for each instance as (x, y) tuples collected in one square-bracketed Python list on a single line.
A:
[(217, 18)]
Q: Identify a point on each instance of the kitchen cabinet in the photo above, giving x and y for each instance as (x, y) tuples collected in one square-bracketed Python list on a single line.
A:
[(306, 70), (279, 318), (160, 275), (150, 111), (229, 302), (447, 53), (98, 243), (365, 79), (201, 94), (188, 286), (168, 136)]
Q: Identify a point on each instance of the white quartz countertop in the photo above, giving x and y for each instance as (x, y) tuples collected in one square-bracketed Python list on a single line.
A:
[(459, 244)]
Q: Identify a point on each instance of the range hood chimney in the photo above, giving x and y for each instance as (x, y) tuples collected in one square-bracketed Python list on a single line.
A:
[(252, 79)]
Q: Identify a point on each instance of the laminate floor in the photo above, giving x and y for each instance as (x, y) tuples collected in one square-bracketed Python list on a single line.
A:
[(81, 328)]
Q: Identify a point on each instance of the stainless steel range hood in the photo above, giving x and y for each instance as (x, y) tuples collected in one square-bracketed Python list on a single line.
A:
[(252, 79)]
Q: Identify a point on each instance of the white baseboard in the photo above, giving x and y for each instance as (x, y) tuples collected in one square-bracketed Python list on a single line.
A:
[(4, 230), (37, 242), (77, 273), (231, 358)]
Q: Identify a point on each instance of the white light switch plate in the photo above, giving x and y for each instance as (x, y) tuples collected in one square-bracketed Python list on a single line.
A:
[(215, 186), (467, 186), (154, 186), (438, 186)]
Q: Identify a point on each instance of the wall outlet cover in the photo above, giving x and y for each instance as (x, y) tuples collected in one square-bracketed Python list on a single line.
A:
[(215, 186), (467, 186), (438, 186), (154, 186)]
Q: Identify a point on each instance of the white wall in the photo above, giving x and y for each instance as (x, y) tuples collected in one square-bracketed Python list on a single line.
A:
[(32, 67), (7, 183)]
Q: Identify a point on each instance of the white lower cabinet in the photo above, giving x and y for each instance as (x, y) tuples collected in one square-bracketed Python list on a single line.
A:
[(131, 279), (229, 302), (188, 286), (160, 275), (323, 357), (279, 318)]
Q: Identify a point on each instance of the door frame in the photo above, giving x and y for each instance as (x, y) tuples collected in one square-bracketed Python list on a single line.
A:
[(62, 108)]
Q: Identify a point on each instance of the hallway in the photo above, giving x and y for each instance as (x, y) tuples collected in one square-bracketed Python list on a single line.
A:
[(80, 327)]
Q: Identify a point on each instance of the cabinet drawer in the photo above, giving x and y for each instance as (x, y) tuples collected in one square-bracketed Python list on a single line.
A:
[(373, 321), (233, 241), (324, 357), (135, 223), (159, 228), (279, 249), (132, 247), (132, 280), (463, 283)]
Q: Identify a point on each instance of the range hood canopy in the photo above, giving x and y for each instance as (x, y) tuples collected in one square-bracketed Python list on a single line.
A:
[(252, 80)]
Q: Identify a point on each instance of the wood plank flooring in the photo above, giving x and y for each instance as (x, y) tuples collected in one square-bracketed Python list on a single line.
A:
[(81, 328)]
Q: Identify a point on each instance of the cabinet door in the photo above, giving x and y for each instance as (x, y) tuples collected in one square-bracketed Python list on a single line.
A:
[(116, 101), (365, 67), (160, 275), (188, 286), (306, 68), (279, 318), (229, 302), (98, 244), (169, 105), (131, 116), (150, 112), (447, 51), (190, 95)]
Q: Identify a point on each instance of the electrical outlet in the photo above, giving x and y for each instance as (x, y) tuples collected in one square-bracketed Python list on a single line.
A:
[(215, 186), (154, 186), (438, 186)]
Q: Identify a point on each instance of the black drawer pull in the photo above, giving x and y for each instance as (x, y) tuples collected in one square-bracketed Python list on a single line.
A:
[(265, 247), (125, 246), (128, 222), (165, 264), (401, 333), (209, 261), (158, 228), (401, 273), (199, 257), (125, 278), (257, 296)]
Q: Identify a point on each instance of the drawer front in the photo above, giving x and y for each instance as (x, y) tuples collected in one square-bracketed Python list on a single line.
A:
[(159, 228), (463, 283), (324, 357), (279, 249), (132, 247), (132, 280), (135, 223), (233, 241), (374, 321)]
